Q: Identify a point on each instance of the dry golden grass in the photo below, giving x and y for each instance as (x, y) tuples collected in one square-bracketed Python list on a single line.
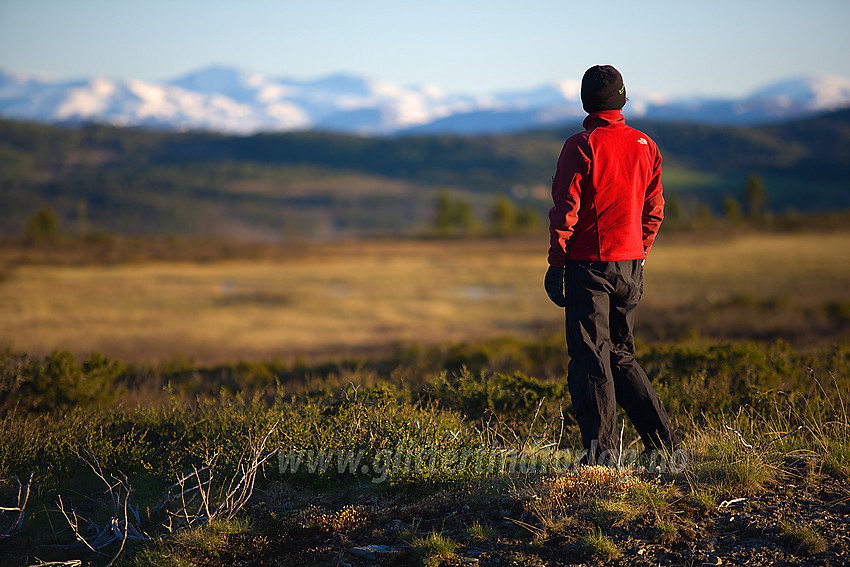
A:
[(337, 298), (804, 266), (353, 296)]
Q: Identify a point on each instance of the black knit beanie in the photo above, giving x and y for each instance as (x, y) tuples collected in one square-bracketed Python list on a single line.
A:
[(602, 88)]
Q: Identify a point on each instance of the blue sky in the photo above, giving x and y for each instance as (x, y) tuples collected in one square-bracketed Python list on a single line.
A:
[(677, 48)]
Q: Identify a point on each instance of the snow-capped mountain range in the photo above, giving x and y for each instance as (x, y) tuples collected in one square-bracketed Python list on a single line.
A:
[(234, 101)]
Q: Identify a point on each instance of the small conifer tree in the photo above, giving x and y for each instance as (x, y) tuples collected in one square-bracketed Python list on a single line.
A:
[(43, 226), (755, 195)]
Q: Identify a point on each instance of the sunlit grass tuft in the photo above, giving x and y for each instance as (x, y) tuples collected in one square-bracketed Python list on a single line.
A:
[(480, 532), (434, 548), (598, 545), (186, 547), (807, 539)]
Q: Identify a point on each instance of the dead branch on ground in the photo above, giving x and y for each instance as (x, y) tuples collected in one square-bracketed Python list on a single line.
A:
[(198, 497), (19, 506), (120, 527)]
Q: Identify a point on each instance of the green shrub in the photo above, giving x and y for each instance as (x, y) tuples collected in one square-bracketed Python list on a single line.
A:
[(56, 382), (697, 379), (511, 397)]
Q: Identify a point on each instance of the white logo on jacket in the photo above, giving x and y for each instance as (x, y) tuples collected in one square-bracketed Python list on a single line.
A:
[(643, 141)]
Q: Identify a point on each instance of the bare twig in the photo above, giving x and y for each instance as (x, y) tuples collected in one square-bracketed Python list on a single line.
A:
[(74, 522), (20, 506), (119, 529), (239, 493), (760, 445), (740, 437), (799, 427), (620, 453), (561, 433), (533, 529), (496, 429), (727, 503), (531, 425), (201, 499)]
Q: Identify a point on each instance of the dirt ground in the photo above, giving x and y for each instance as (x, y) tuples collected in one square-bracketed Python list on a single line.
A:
[(379, 529)]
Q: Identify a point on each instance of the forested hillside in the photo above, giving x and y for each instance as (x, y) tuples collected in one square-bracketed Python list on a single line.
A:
[(129, 181)]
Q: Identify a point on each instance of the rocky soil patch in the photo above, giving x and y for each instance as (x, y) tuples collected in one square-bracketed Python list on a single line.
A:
[(798, 521)]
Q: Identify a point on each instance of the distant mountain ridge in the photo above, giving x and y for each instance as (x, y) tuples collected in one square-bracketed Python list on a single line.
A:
[(233, 101), (324, 185)]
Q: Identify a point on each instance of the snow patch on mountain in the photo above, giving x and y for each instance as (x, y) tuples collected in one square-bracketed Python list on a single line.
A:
[(231, 100), (813, 93)]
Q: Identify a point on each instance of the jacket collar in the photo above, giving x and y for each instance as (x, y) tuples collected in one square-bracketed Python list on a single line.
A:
[(603, 118)]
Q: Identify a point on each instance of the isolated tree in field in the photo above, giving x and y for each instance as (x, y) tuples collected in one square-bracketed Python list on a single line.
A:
[(503, 216), (43, 226), (443, 214), (674, 211), (732, 209), (755, 196), (453, 216), (464, 218), (527, 219)]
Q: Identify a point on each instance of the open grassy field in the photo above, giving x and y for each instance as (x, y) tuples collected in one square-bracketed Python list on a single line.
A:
[(319, 299), (453, 449)]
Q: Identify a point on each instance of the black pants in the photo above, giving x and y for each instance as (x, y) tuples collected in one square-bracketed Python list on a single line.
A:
[(601, 299)]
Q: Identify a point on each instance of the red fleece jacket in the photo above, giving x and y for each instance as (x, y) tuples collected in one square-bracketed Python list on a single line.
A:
[(607, 193)]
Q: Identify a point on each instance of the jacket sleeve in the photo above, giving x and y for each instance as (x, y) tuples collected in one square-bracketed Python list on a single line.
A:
[(653, 206), (573, 171)]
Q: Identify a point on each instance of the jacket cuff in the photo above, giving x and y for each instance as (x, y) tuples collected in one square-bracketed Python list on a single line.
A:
[(557, 261)]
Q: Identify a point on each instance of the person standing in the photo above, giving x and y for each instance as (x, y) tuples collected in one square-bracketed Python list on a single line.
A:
[(608, 207)]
